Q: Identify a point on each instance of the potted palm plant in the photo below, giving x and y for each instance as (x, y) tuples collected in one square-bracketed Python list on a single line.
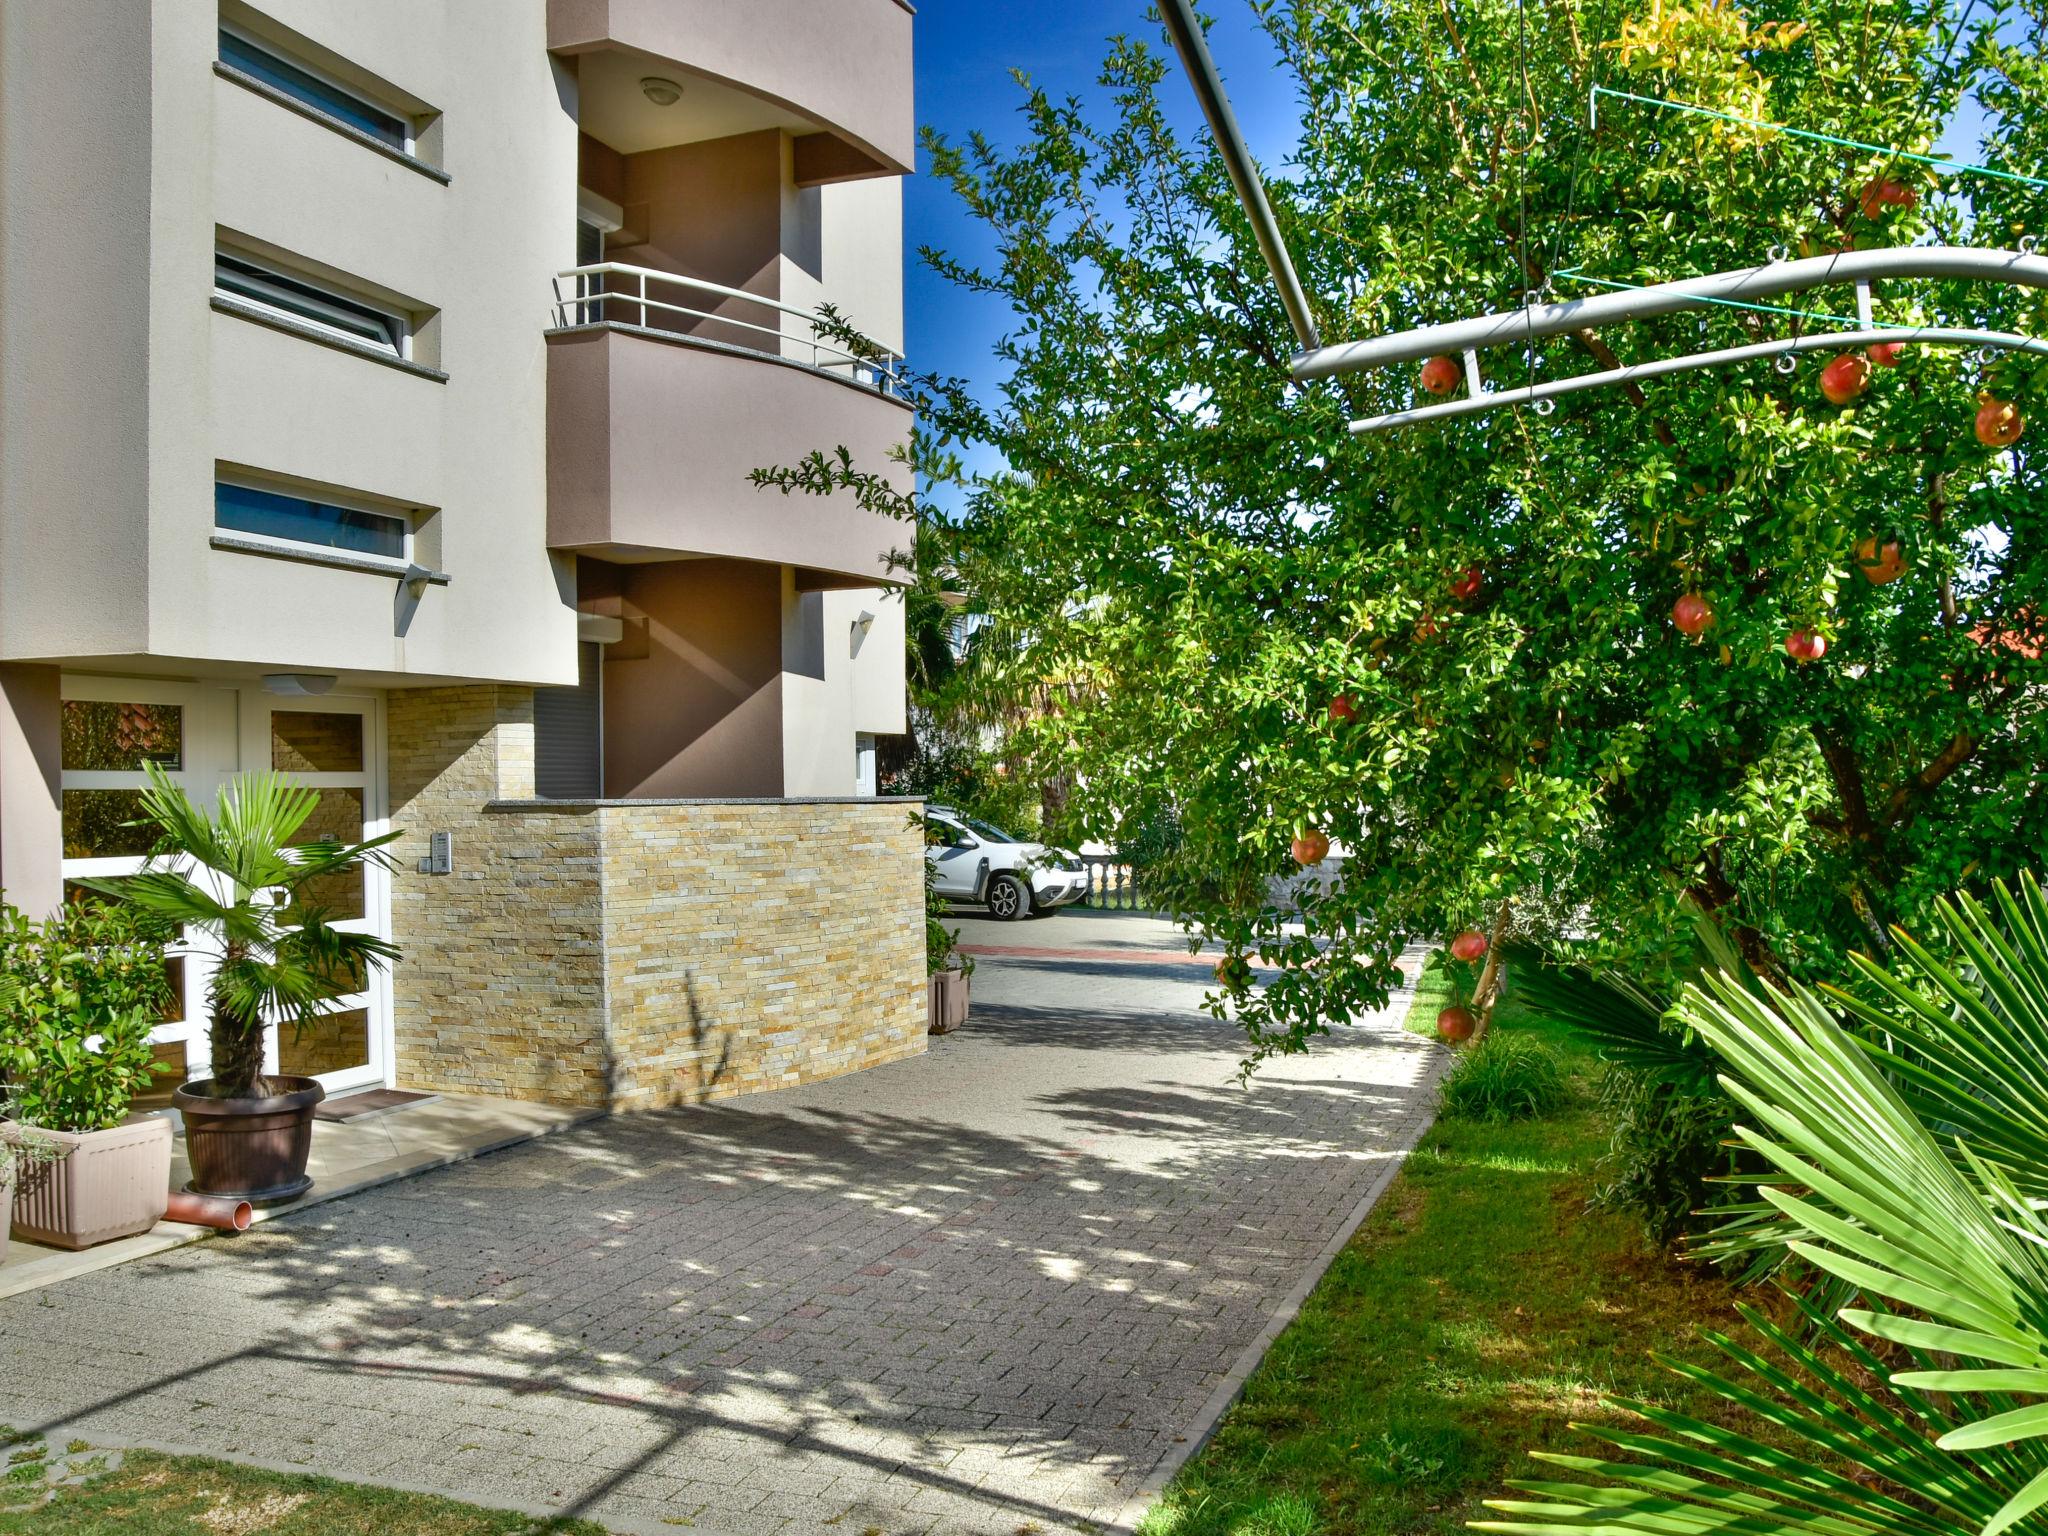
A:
[(233, 880), (80, 992)]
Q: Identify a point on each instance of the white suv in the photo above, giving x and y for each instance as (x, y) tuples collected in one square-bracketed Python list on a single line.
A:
[(977, 862)]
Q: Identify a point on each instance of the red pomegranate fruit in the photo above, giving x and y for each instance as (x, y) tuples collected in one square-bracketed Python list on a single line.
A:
[(1692, 614), (1440, 375), (1469, 945), (1234, 972), (1456, 1025), (1311, 847), (1998, 422), (1886, 193), (1880, 563), (1466, 583), (1845, 378), (1886, 354), (1342, 710), (1804, 645)]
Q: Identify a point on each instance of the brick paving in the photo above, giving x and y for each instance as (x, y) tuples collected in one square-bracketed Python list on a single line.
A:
[(987, 1289)]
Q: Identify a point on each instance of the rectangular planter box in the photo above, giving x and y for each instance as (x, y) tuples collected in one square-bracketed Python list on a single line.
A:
[(106, 1184), (946, 999)]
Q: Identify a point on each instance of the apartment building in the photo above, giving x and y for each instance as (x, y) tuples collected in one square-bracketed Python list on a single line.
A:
[(379, 386)]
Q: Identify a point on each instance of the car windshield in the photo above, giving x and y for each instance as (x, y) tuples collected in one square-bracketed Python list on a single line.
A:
[(988, 833)]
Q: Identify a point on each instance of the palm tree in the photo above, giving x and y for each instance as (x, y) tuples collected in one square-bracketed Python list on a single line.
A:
[(279, 959)]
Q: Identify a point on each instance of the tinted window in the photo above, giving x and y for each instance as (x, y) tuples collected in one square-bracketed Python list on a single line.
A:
[(272, 515), (304, 86)]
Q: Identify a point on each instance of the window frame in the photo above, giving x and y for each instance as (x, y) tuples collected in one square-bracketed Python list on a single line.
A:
[(398, 325), (408, 126), (339, 500)]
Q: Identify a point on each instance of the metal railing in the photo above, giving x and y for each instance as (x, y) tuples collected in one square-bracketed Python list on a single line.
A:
[(613, 291)]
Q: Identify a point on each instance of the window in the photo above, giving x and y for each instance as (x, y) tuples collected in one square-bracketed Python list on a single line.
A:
[(301, 520), (940, 833), (305, 303), (988, 833), (316, 91)]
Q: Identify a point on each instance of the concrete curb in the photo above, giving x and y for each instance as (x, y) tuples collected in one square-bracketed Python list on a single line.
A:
[(1232, 1386)]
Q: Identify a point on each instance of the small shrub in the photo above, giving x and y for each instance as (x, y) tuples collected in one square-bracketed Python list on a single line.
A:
[(79, 993), (1504, 1077), (1670, 1146)]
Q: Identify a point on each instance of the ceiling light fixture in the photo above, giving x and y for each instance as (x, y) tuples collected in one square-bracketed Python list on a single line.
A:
[(299, 684), (661, 91)]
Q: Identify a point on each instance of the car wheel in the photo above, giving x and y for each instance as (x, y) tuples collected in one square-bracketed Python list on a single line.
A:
[(1009, 899)]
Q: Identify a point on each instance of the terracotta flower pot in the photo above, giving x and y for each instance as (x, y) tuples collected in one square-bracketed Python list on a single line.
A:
[(250, 1149), (101, 1184)]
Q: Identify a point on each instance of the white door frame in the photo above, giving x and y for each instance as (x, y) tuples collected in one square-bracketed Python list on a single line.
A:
[(207, 738), (222, 727)]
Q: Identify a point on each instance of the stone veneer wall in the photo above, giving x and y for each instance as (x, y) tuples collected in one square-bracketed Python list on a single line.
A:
[(500, 988), (757, 944), (635, 954)]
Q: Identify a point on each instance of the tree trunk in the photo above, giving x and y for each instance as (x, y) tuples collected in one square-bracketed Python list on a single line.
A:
[(237, 1045), (1483, 995), (237, 1056)]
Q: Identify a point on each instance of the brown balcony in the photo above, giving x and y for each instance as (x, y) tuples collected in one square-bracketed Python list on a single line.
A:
[(835, 73), (666, 393)]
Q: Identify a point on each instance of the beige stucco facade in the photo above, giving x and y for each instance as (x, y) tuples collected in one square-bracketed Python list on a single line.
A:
[(556, 495)]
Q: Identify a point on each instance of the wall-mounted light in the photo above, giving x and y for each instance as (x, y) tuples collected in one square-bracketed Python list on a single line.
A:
[(299, 684), (660, 90)]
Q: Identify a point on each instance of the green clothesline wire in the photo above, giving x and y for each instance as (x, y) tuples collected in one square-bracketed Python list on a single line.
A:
[(1764, 309), (1957, 167)]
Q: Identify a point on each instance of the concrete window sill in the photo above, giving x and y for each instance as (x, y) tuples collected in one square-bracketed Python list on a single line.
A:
[(224, 305)]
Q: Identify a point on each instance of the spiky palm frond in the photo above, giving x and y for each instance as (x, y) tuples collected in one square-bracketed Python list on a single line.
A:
[(1629, 1026), (1966, 1037), (1882, 1193)]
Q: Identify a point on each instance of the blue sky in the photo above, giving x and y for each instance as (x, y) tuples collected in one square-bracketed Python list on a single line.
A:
[(965, 52)]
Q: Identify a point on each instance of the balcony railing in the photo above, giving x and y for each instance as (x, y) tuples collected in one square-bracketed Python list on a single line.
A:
[(667, 301)]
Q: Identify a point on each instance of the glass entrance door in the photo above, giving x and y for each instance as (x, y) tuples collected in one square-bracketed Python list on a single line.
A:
[(333, 744), (202, 736)]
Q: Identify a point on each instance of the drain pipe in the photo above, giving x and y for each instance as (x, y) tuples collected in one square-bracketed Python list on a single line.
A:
[(220, 1212), (1179, 16)]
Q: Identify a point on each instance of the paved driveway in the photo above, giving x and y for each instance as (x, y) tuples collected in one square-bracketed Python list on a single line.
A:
[(997, 1287)]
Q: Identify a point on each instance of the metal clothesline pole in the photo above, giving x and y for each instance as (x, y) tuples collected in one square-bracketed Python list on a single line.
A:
[(1517, 327), (1179, 16)]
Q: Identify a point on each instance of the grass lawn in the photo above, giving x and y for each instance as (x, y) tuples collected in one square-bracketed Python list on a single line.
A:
[(1432, 997), (152, 1495), (1480, 1309)]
